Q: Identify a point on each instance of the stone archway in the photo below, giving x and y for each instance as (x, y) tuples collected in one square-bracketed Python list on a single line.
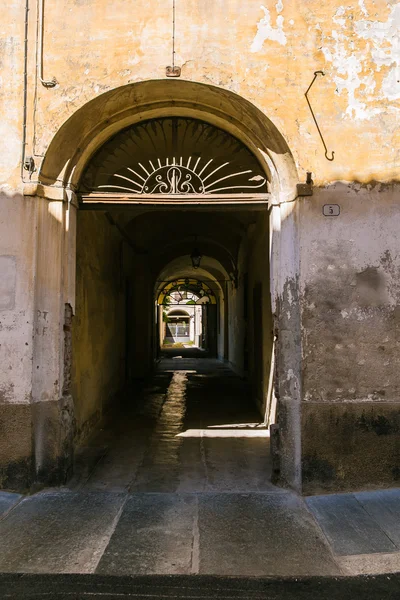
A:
[(65, 161), (98, 120)]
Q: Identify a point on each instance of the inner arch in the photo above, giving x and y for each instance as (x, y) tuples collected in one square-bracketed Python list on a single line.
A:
[(205, 299)]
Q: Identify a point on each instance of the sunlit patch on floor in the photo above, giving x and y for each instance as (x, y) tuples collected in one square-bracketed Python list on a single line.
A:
[(225, 433)]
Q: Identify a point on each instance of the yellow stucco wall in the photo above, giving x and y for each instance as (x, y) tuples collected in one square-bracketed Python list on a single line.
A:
[(266, 53)]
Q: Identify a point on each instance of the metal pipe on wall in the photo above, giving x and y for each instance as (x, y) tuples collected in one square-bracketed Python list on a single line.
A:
[(27, 162), (47, 83), (24, 117)]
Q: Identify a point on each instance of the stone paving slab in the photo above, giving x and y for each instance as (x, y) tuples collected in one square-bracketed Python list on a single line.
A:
[(348, 527), (370, 564), (154, 536), (7, 501), (224, 534), (260, 535), (58, 532), (246, 534), (384, 507), (239, 464)]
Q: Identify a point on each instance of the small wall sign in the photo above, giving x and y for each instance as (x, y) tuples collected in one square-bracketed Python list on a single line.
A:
[(331, 210)]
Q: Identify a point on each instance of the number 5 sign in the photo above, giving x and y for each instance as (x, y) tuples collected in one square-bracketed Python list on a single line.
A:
[(331, 210)]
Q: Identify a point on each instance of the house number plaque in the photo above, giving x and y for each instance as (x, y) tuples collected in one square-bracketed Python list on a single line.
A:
[(331, 210)]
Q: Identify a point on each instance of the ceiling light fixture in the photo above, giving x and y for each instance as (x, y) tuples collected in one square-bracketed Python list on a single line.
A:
[(196, 258)]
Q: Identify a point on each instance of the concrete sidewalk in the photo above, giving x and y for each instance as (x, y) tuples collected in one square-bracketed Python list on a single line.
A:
[(229, 534), (363, 529)]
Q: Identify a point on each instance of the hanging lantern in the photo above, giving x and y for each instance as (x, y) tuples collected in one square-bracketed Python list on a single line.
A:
[(196, 258)]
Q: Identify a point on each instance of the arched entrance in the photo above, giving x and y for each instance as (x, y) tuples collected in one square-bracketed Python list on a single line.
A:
[(185, 314), (171, 166)]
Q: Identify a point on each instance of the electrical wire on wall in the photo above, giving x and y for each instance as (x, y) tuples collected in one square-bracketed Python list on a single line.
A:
[(28, 162)]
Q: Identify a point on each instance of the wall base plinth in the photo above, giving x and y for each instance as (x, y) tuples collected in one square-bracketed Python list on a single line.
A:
[(350, 446), (36, 444), (16, 464)]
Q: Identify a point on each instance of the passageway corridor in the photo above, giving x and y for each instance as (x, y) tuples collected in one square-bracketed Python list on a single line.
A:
[(177, 482), (195, 430)]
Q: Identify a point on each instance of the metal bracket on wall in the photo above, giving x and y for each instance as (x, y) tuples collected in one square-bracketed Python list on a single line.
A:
[(316, 73), (306, 189), (29, 165), (173, 71)]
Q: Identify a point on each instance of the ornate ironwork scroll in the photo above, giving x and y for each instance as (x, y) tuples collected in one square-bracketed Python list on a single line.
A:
[(174, 156), (186, 291)]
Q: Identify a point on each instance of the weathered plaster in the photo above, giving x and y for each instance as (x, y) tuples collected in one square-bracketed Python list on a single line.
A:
[(385, 38), (266, 31), (7, 282), (359, 59), (16, 456), (287, 323), (367, 72), (350, 318), (350, 446), (17, 283), (350, 295)]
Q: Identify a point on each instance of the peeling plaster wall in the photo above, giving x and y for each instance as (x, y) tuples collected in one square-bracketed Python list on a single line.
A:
[(350, 302), (277, 47), (350, 279), (17, 267), (17, 264), (365, 55)]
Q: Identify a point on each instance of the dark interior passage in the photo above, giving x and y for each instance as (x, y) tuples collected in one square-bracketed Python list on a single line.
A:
[(125, 259), (184, 262), (192, 428)]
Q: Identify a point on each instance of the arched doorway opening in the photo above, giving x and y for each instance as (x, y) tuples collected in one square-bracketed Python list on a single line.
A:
[(190, 229), (191, 327), (177, 327), (127, 237)]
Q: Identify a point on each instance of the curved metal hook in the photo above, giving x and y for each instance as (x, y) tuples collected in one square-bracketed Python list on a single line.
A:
[(316, 73), (327, 157)]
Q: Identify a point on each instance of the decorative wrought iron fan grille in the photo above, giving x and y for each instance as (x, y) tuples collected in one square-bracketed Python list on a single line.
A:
[(174, 156), (186, 291)]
